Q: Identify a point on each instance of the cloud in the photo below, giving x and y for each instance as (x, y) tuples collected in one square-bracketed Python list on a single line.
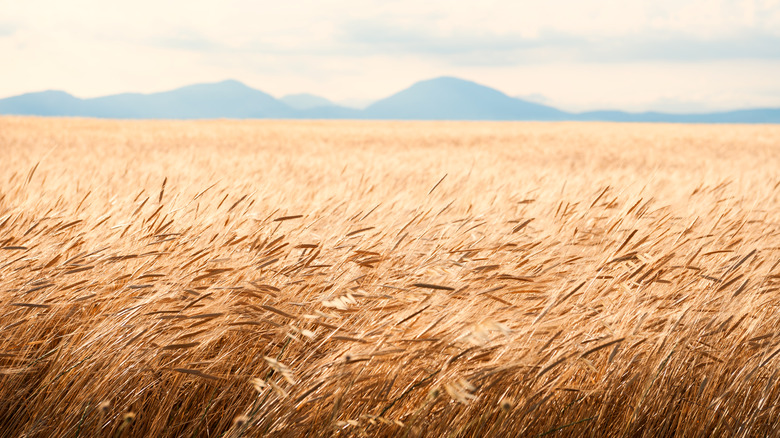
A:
[(460, 47), (685, 48), (504, 33), (8, 29), (485, 48)]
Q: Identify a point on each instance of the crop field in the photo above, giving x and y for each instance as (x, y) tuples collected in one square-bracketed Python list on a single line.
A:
[(275, 278)]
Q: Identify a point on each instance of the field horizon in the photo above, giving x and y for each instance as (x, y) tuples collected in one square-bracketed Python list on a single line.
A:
[(382, 278)]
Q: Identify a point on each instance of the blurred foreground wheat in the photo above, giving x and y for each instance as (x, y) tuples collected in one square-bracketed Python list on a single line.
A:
[(388, 279)]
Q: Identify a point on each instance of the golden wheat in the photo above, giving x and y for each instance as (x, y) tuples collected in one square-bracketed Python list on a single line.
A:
[(388, 279)]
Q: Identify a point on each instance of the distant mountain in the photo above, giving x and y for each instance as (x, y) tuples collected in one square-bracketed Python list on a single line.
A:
[(305, 101), (449, 98), (443, 98), (227, 99), (759, 115), (44, 103)]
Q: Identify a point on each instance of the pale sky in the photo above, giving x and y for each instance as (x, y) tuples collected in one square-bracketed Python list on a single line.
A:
[(672, 55)]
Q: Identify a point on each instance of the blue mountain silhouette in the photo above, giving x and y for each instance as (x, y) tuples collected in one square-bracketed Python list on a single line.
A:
[(448, 98), (444, 98)]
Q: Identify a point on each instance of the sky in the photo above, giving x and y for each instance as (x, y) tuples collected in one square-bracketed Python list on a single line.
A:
[(668, 55)]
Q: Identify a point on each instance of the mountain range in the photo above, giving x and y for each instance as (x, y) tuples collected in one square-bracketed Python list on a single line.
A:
[(444, 98)]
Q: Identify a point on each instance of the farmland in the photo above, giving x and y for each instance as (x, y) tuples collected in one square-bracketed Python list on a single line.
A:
[(279, 278)]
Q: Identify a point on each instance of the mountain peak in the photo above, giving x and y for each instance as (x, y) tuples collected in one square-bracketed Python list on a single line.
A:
[(58, 93), (451, 98), (450, 82), (231, 83), (227, 84), (447, 80)]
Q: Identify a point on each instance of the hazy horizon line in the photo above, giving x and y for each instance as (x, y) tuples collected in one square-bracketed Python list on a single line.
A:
[(365, 102)]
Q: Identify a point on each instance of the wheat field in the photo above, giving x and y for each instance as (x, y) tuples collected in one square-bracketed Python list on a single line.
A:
[(274, 278)]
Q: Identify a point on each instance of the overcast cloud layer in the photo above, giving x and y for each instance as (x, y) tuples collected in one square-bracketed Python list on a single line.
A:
[(682, 55)]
